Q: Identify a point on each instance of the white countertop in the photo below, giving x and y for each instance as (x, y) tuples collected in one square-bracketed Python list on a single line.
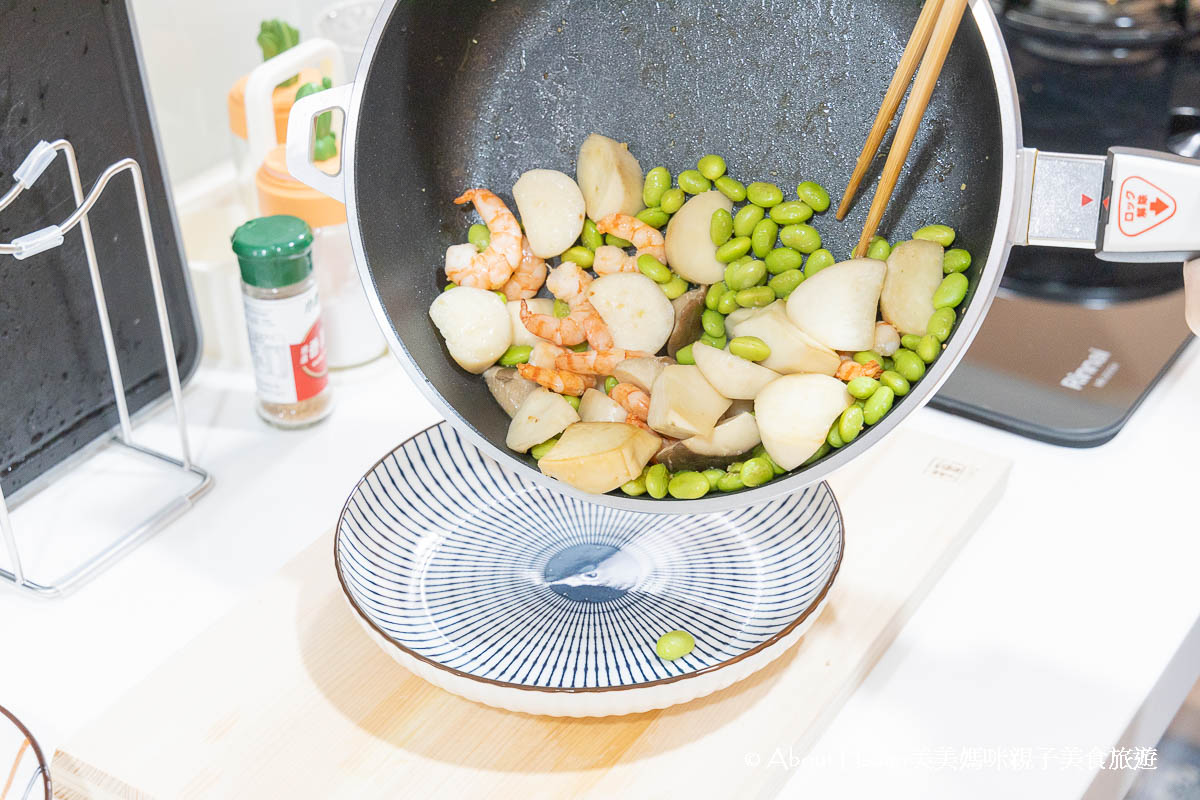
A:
[(1071, 615)]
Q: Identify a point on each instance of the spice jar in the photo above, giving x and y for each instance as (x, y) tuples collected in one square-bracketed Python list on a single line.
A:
[(283, 319)]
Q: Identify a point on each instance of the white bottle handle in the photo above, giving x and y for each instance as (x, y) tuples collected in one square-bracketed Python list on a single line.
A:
[(300, 139), (320, 54)]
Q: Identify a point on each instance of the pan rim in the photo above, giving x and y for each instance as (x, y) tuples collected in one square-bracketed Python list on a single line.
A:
[(972, 319)]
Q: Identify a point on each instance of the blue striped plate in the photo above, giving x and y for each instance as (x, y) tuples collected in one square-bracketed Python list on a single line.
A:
[(500, 590)]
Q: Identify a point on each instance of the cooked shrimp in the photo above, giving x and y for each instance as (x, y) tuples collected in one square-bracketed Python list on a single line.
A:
[(555, 380), (610, 259), (492, 268), (544, 354), (849, 369), (568, 282), (596, 362), (528, 277), (632, 399), (630, 419), (647, 240)]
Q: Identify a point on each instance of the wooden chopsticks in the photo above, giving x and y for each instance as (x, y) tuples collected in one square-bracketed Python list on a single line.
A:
[(930, 43)]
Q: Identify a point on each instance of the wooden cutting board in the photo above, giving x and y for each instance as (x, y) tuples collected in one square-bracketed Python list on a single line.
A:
[(287, 697)]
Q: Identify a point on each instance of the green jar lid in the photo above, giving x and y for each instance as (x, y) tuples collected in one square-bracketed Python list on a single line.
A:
[(274, 251)]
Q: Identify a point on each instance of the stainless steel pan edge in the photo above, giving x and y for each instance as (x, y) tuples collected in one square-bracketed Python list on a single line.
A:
[(984, 291)]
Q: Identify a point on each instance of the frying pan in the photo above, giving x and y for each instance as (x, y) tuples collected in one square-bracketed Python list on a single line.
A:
[(446, 100)]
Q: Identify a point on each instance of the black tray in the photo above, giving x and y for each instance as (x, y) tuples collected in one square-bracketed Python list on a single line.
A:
[(70, 69)]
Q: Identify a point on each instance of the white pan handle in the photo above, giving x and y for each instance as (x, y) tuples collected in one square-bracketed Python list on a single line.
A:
[(300, 139), (1131, 205)]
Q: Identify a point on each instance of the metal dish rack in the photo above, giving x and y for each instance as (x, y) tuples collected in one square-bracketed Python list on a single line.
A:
[(52, 236)]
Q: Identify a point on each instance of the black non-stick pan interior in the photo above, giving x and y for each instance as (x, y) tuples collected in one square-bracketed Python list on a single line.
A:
[(476, 93)]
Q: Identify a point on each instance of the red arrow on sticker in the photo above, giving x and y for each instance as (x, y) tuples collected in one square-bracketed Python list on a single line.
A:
[(1105, 202), (1158, 206), (1086, 200)]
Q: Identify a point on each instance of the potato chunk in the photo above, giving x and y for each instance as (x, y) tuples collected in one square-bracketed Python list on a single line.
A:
[(542, 415), (914, 272), (475, 325), (794, 414), (551, 208), (690, 250), (684, 404), (792, 350), (598, 457), (837, 306), (609, 177)]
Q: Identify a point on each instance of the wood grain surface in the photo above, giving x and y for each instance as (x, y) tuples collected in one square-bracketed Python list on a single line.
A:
[(287, 697)]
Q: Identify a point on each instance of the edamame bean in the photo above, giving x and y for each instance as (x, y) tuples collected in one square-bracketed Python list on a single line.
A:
[(539, 450), (713, 475), (750, 348), (449, 286), (746, 259), (942, 234), (887, 363), (757, 297), (657, 181), (501, 296), (734, 467), (895, 381), (822, 451), (653, 269), (517, 354), (814, 195), (561, 309), (617, 241), (728, 302), (801, 236), (762, 238), (862, 387), (572, 401), (582, 347), (732, 188), (782, 259), (834, 439), (850, 424), (730, 482), (744, 275), (819, 260), (580, 255), (714, 294), (712, 322), (675, 644), (734, 248), (745, 220), (909, 365), (591, 238), (711, 166), (956, 260), (791, 212), (654, 217), (720, 227), (672, 200), (764, 194), (878, 404), (656, 481), (867, 356), (929, 348), (692, 182), (688, 485), (909, 341), (718, 342), (786, 282), (684, 355), (674, 287), (940, 324), (879, 248), (609, 384), (756, 471), (480, 236), (951, 292), (635, 487)]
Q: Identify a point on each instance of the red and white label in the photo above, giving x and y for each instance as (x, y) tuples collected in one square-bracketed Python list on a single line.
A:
[(288, 347), (1142, 206)]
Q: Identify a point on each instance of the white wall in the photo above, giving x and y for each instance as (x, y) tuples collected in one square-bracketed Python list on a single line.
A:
[(193, 52)]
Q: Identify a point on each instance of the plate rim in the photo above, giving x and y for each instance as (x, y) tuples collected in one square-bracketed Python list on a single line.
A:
[(522, 687)]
